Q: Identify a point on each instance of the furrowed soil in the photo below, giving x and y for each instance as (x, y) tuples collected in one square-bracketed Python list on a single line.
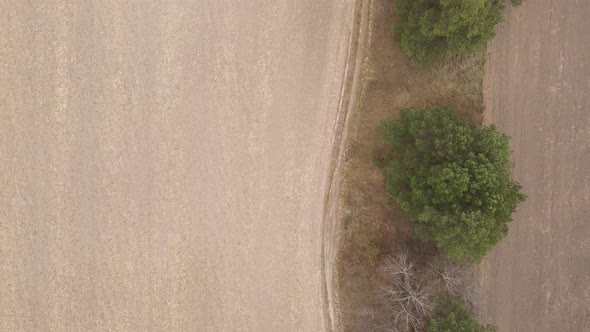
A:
[(164, 165), (537, 91)]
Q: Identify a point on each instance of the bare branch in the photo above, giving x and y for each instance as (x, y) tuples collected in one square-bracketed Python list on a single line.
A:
[(407, 300), (450, 274)]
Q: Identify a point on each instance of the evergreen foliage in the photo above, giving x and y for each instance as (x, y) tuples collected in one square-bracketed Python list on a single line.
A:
[(452, 179)]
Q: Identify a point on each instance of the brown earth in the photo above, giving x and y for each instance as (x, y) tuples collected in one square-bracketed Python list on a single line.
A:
[(538, 91), (164, 166)]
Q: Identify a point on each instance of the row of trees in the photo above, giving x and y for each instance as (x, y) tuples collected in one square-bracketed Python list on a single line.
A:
[(450, 177)]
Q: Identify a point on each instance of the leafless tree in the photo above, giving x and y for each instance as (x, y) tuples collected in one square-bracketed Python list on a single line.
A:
[(458, 281), (408, 301), (399, 266), (451, 275), (472, 297)]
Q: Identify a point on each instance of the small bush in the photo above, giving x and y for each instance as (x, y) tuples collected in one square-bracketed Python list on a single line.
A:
[(451, 315), (452, 179), (432, 29)]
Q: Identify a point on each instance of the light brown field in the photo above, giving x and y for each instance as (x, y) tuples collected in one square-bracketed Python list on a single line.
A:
[(164, 164)]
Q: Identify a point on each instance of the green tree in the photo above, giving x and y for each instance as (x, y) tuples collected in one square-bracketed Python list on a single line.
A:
[(432, 29), (452, 179), (451, 315)]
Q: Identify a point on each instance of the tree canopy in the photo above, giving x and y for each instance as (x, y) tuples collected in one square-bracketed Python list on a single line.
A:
[(432, 29), (451, 315), (452, 179)]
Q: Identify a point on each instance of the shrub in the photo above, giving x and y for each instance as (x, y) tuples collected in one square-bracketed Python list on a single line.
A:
[(432, 29), (451, 315), (452, 179)]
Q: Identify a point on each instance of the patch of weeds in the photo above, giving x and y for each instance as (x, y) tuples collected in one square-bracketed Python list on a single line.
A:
[(366, 246)]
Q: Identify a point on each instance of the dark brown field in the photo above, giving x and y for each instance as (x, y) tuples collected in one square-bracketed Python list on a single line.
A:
[(538, 91)]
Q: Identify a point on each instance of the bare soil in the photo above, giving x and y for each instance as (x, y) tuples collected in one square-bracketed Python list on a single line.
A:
[(372, 226), (164, 165), (538, 91)]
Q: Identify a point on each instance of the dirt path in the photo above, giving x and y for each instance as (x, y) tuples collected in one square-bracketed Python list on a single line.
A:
[(538, 90), (163, 167)]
